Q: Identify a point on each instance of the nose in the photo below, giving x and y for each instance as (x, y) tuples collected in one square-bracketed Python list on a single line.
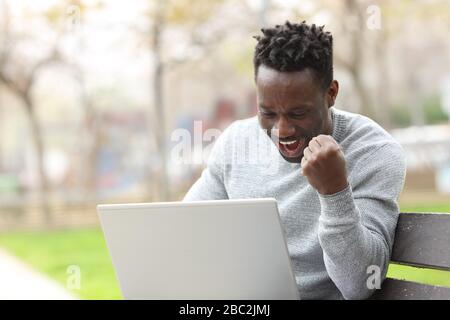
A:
[(284, 128)]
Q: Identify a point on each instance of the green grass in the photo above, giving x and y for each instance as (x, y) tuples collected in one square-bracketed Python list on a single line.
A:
[(426, 276), (53, 252), (425, 207)]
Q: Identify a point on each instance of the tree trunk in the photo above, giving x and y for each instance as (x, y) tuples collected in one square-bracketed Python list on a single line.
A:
[(384, 83), (356, 63), (94, 147), (91, 144), (363, 95), (158, 103), (1, 138), (38, 143)]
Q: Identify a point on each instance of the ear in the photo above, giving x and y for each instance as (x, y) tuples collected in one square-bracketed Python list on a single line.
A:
[(332, 93)]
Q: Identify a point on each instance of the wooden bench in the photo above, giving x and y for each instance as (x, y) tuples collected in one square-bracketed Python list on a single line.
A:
[(421, 240)]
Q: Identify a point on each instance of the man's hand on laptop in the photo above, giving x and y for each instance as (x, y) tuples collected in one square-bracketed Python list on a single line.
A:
[(323, 164)]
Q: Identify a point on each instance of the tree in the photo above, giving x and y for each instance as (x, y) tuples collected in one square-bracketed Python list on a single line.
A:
[(19, 77), (354, 25), (165, 13)]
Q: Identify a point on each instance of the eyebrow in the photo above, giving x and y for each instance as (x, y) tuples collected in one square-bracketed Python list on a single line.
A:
[(304, 107)]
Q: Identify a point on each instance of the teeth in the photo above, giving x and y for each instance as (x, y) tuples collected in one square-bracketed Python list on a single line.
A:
[(288, 142)]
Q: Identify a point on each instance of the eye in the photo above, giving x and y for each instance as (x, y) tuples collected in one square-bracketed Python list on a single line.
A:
[(267, 114), (298, 115)]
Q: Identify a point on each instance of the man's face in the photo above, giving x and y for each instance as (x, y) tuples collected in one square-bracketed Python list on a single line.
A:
[(293, 108)]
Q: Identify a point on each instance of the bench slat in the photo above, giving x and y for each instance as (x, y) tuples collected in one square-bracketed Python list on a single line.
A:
[(393, 289), (423, 240)]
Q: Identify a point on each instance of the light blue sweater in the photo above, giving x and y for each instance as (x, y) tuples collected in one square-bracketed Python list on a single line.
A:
[(333, 239)]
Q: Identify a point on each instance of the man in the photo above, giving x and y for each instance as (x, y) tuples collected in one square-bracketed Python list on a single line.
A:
[(338, 174)]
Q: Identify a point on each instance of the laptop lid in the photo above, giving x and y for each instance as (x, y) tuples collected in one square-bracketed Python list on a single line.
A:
[(221, 249)]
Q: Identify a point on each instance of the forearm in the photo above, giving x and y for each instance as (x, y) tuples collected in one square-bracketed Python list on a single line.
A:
[(349, 246)]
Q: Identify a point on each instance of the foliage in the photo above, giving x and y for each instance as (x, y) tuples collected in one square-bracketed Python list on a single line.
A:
[(432, 111)]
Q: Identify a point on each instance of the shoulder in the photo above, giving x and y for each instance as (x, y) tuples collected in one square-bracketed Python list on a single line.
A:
[(357, 132), (239, 129), (366, 143), (244, 124), (234, 136)]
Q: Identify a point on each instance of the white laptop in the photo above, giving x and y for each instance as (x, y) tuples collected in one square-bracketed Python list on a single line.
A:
[(222, 249)]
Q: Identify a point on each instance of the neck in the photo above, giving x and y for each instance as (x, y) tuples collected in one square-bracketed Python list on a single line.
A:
[(329, 123)]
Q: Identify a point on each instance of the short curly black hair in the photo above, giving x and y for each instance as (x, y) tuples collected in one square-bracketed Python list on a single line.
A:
[(295, 47)]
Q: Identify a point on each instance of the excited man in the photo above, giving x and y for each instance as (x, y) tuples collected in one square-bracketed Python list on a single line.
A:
[(338, 174)]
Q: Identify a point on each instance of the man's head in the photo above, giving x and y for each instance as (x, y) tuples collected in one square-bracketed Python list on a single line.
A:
[(295, 87)]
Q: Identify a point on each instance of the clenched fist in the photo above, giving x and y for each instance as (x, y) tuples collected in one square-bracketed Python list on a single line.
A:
[(323, 164)]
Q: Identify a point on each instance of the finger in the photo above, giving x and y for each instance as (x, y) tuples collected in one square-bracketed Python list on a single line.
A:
[(316, 140), (325, 140), (322, 139), (314, 145), (303, 164), (307, 153)]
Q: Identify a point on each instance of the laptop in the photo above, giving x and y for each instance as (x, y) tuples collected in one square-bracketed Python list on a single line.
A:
[(202, 250)]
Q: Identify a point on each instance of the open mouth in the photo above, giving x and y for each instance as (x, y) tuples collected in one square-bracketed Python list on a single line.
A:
[(292, 148)]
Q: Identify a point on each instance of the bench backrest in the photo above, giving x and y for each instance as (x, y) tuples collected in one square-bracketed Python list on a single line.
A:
[(421, 240)]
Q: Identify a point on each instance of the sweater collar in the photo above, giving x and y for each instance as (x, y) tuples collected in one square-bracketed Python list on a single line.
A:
[(338, 124)]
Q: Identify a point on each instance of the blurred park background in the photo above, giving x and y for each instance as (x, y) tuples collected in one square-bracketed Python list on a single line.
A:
[(90, 92)]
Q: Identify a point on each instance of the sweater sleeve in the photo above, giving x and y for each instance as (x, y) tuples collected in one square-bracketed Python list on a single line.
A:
[(210, 185), (357, 225)]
